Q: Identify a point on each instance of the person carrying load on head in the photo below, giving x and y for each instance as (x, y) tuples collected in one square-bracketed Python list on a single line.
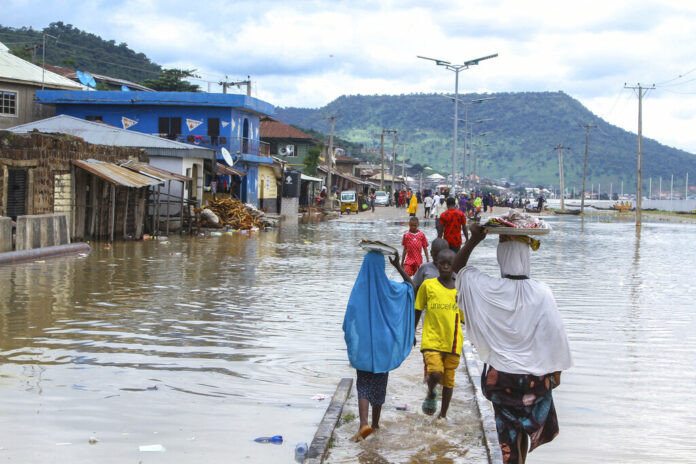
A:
[(379, 329), (514, 323)]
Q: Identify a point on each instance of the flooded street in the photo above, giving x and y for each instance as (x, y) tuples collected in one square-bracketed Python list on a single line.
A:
[(202, 344)]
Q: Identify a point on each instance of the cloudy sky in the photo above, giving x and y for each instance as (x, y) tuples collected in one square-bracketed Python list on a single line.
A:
[(306, 53)]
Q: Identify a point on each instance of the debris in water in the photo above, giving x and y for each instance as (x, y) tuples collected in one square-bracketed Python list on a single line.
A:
[(319, 397), (276, 439), (93, 440), (403, 407), (152, 448)]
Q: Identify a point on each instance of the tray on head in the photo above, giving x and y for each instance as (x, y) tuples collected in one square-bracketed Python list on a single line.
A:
[(374, 245), (504, 230)]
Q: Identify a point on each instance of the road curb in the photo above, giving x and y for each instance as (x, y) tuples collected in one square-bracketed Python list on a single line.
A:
[(490, 433), (320, 444)]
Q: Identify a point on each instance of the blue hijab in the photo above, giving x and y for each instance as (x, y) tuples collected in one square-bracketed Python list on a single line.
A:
[(379, 324)]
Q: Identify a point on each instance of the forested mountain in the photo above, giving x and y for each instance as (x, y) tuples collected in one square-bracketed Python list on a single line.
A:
[(80, 50), (522, 132)]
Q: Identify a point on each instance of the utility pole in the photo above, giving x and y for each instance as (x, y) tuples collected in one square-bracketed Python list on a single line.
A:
[(43, 58), (381, 150), (560, 149), (403, 161), (226, 84), (584, 168), (393, 169), (686, 188), (639, 185), (329, 162), (456, 68)]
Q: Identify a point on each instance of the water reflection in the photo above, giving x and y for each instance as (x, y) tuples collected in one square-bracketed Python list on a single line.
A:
[(238, 333)]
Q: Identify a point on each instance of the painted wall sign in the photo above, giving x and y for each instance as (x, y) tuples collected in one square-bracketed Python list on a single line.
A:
[(224, 123), (192, 124), (126, 123)]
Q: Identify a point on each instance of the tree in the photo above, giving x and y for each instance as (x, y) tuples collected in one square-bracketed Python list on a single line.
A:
[(172, 80), (25, 52), (311, 160)]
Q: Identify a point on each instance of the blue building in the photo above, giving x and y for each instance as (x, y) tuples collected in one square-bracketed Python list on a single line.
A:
[(209, 120)]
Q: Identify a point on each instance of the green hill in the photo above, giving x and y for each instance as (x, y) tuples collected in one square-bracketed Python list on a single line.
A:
[(522, 133), (76, 49)]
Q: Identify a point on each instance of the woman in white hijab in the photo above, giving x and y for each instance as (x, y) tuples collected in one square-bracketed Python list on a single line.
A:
[(514, 323)]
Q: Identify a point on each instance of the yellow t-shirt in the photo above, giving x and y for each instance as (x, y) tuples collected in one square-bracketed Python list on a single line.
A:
[(441, 325)]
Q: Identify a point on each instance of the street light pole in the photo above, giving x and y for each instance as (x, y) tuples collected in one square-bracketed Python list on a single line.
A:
[(456, 68)]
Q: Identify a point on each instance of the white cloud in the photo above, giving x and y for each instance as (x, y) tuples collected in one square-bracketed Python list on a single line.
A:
[(306, 53)]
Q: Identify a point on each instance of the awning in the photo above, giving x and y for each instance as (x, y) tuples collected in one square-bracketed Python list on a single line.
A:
[(115, 174), (223, 170), (310, 178), (152, 171), (355, 180)]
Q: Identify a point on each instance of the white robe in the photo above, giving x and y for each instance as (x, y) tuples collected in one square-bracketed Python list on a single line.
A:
[(514, 324)]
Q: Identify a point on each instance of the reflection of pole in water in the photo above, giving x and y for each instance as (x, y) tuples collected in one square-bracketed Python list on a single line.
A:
[(635, 276)]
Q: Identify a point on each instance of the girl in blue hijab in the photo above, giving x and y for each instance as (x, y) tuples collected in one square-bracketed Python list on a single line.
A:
[(379, 329)]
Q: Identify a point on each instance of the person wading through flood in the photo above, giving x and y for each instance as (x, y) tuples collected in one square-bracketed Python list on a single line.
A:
[(514, 323), (452, 226), (378, 329)]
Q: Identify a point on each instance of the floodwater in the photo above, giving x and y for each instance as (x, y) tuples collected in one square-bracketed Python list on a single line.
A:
[(202, 344)]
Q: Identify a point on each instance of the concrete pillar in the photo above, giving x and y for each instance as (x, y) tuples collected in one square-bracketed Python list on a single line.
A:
[(5, 234)]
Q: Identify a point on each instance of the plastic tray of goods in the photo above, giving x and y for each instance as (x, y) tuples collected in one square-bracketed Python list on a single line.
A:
[(543, 229), (374, 245)]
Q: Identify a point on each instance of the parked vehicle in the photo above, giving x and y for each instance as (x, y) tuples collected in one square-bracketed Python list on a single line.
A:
[(382, 198), (349, 202)]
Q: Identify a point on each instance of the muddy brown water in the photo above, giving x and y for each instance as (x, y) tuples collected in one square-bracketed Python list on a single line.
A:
[(202, 344)]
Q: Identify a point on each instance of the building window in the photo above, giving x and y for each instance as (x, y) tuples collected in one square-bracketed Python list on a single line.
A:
[(169, 127), (93, 118), (8, 103), (213, 130)]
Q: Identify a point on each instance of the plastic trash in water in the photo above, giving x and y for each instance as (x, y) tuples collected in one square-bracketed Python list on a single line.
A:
[(152, 448), (319, 397), (402, 407), (300, 451), (276, 439)]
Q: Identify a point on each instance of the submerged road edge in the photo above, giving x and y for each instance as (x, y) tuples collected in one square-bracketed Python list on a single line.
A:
[(320, 444), (12, 257), (490, 433)]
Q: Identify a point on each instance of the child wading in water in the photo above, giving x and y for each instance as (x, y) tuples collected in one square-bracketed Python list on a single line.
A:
[(414, 242), (379, 329), (441, 342)]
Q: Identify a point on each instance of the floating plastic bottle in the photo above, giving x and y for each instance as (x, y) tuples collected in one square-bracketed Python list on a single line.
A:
[(276, 439), (300, 451)]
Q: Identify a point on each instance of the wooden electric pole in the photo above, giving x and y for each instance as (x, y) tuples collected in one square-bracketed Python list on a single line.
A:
[(584, 167), (329, 162), (393, 169), (560, 149), (381, 151), (639, 181)]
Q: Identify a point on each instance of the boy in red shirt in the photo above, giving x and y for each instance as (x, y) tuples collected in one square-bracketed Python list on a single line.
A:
[(414, 241), (452, 225)]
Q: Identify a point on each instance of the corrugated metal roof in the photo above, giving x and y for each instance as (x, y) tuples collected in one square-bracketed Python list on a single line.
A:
[(152, 171), (228, 171), (273, 129), (103, 134), (116, 174), (15, 69), (355, 180)]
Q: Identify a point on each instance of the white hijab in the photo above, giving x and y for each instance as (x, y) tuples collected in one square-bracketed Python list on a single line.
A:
[(514, 324)]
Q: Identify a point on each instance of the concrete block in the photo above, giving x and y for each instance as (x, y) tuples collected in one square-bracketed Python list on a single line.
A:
[(5, 234), (42, 230)]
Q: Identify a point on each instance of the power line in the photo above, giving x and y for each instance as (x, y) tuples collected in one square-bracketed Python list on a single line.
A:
[(678, 77)]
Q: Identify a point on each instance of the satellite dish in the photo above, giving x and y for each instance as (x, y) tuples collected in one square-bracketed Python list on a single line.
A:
[(227, 157), (124, 89), (86, 79)]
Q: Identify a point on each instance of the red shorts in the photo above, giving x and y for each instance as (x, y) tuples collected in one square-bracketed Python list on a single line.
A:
[(411, 268)]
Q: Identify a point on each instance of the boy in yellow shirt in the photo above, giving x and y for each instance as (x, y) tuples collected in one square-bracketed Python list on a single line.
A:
[(441, 342)]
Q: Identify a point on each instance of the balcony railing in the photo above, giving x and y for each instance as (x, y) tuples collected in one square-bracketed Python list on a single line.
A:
[(240, 145)]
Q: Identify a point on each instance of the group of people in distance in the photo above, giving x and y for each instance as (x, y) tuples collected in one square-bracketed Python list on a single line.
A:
[(512, 320)]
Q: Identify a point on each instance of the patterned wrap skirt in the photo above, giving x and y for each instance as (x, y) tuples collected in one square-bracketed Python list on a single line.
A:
[(372, 387), (523, 404)]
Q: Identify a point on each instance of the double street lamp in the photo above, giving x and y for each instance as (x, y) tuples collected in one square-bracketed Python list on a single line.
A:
[(456, 68)]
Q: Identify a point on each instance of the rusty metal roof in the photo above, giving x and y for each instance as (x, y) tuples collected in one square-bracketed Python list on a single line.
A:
[(115, 174), (152, 171), (270, 128), (223, 170)]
